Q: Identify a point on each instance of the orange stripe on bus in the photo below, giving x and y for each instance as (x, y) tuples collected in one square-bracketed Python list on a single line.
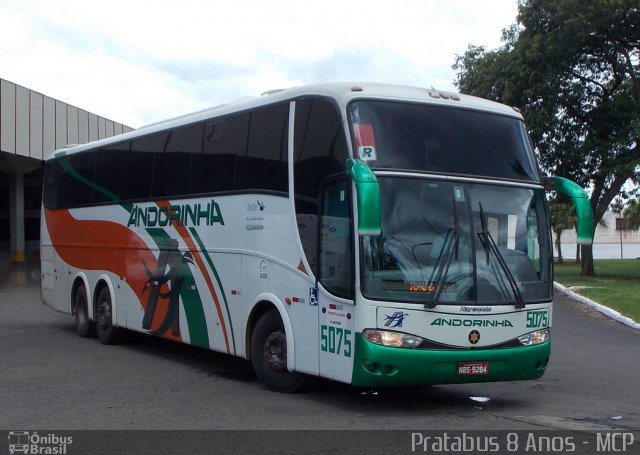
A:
[(198, 258), (105, 245)]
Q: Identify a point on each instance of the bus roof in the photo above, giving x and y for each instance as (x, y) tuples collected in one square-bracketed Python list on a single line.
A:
[(341, 92)]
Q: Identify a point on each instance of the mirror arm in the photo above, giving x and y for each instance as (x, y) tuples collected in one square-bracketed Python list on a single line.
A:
[(580, 200)]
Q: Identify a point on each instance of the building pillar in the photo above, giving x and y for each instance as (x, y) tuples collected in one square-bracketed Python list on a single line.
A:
[(16, 215)]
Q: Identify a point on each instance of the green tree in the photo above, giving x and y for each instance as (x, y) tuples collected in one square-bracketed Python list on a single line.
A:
[(632, 215), (573, 68), (563, 216)]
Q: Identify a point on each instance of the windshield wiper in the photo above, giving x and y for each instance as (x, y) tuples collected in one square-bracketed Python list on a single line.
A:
[(490, 245), (441, 268)]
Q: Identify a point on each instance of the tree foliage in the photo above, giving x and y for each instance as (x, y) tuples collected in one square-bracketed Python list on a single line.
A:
[(632, 215), (562, 216), (573, 68)]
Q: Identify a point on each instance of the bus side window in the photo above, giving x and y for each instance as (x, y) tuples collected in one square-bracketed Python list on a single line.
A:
[(57, 183), (171, 168), (336, 265), (264, 166), (320, 150), (107, 175), (214, 170), (81, 169), (137, 174)]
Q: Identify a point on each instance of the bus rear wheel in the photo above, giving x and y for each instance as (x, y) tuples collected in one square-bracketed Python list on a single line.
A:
[(269, 355), (84, 326), (107, 333)]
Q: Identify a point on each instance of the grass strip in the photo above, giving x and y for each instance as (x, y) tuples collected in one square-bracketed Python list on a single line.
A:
[(616, 284)]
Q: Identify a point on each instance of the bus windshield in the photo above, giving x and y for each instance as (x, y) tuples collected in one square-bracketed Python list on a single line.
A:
[(446, 241), (435, 139)]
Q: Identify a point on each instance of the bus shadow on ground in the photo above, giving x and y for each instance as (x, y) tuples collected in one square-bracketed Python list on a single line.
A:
[(449, 398), (210, 363), (408, 400)]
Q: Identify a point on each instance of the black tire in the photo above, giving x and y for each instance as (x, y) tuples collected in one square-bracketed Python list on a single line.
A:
[(269, 355), (107, 333), (84, 326)]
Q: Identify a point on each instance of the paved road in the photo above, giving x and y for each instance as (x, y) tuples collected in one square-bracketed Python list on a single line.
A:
[(52, 379)]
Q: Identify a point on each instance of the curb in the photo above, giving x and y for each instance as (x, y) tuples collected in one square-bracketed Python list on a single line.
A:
[(613, 314)]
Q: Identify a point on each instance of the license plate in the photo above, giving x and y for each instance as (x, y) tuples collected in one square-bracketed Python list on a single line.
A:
[(473, 368)]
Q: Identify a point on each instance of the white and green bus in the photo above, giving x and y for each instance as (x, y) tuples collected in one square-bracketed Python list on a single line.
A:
[(372, 234)]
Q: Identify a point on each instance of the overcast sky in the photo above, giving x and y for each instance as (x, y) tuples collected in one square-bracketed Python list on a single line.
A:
[(137, 62)]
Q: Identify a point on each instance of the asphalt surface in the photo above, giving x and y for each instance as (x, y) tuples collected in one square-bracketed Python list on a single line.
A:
[(50, 378)]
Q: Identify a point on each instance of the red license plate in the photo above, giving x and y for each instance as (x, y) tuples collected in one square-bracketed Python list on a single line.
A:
[(473, 368)]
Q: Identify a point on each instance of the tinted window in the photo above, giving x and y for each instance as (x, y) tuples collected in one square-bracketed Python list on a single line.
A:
[(57, 182), (137, 169), (107, 175), (81, 171), (438, 139), (264, 167), (171, 175), (320, 150), (336, 254), (171, 167), (216, 156), (214, 170)]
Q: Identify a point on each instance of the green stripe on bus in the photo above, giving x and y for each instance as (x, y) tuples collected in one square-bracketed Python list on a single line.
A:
[(205, 253), (198, 333), (64, 163), (191, 301)]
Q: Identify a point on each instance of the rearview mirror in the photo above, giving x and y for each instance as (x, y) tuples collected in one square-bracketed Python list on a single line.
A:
[(580, 200), (367, 196)]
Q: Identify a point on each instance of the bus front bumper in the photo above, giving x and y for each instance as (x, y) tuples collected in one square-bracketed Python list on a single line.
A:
[(376, 365)]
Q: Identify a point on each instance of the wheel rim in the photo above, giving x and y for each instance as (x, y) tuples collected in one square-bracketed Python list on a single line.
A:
[(275, 352), (104, 314), (80, 311)]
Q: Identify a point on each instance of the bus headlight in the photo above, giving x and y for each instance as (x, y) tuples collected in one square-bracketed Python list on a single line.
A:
[(392, 339), (533, 338)]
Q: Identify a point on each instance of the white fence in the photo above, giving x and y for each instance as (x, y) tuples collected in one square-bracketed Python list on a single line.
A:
[(606, 242)]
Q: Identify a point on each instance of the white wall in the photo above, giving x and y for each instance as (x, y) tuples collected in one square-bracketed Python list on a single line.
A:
[(34, 125)]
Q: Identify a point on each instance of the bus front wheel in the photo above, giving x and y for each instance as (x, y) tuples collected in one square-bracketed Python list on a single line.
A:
[(107, 333), (84, 326), (269, 355)]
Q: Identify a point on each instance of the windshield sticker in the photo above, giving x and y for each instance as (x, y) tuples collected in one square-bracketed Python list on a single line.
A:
[(365, 141), (367, 153)]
